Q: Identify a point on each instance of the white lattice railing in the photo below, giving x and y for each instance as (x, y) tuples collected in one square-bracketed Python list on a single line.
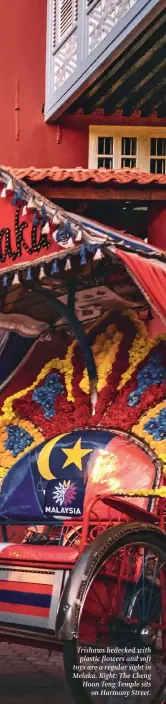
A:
[(103, 17), (99, 19), (79, 34)]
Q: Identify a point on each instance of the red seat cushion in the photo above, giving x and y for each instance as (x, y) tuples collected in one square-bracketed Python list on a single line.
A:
[(39, 553)]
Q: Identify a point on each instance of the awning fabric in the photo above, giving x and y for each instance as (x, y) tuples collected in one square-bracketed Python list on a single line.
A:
[(33, 232), (151, 278)]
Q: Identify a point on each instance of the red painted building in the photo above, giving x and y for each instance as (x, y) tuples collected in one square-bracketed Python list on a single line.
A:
[(26, 139), (87, 90)]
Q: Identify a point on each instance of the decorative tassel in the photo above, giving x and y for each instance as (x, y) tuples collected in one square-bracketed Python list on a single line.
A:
[(70, 243), (68, 227), (30, 204), (35, 219), (83, 259), (17, 196), (43, 212), (46, 228), (29, 274), (9, 187), (91, 248), (24, 211), (5, 281), (42, 272), (3, 193), (54, 268), (16, 279), (56, 218), (60, 236), (98, 255), (67, 265), (19, 193), (79, 235)]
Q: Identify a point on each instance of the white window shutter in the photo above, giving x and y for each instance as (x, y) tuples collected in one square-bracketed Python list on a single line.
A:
[(68, 16), (54, 25), (64, 18)]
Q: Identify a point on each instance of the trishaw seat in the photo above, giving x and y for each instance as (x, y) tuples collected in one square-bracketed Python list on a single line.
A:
[(38, 554)]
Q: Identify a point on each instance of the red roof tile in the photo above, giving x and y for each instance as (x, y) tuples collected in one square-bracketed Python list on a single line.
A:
[(95, 176)]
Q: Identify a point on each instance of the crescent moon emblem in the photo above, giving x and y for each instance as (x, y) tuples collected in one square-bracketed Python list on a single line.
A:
[(43, 459)]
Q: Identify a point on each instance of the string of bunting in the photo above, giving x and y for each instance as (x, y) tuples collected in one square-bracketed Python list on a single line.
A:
[(68, 235)]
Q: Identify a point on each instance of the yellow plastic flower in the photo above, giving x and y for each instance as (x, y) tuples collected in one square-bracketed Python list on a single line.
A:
[(159, 446), (140, 348), (104, 350)]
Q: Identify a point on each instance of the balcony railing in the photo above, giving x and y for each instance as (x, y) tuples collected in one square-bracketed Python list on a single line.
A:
[(82, 37)]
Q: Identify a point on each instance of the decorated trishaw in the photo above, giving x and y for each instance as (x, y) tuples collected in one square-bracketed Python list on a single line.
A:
[(81, 473)]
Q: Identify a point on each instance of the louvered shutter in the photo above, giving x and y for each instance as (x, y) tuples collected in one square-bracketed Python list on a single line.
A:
[(65, 15), (54, 25)]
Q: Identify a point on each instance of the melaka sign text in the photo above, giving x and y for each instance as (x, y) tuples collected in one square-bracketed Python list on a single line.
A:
[(22, 240)]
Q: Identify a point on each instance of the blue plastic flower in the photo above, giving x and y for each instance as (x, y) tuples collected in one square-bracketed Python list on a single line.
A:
[(18, 439), (153, 373), (157, 426), (151, 426), (45, 395), (133, 399)]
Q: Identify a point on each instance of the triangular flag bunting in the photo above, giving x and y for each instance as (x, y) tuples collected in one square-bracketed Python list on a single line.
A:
[(70, 243), (79, 235), (30, 204), (9, 187), (42, 272), (3, 193), (68, 264), (16, 279), (98, 255), (46, 228)]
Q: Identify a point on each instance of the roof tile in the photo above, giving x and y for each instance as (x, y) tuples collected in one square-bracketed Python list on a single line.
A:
[(95, 176)]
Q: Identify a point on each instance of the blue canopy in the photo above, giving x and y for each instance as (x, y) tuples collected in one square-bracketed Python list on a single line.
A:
[(49, 481)]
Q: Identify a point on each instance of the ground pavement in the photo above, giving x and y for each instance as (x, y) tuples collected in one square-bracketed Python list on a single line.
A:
[(29, 676)]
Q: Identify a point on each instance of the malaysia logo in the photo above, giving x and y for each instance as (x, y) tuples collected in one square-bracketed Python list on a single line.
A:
[(65, 493), (64, 498)]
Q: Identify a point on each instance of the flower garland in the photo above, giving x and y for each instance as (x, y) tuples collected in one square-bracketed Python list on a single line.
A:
[(120, 346), (70, 371), (141, 346), (63, 366), (126, 415), (159, 446), (6, 458), (68, 415), (81, 411)]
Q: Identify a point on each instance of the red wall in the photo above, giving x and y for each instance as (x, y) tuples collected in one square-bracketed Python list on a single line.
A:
[(22, 51), (157, 225)]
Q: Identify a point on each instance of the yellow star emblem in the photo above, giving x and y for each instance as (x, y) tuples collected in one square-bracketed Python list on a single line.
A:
[(75, 454)]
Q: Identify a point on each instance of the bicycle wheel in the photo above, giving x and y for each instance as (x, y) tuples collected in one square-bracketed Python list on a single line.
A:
[(121, 608)]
